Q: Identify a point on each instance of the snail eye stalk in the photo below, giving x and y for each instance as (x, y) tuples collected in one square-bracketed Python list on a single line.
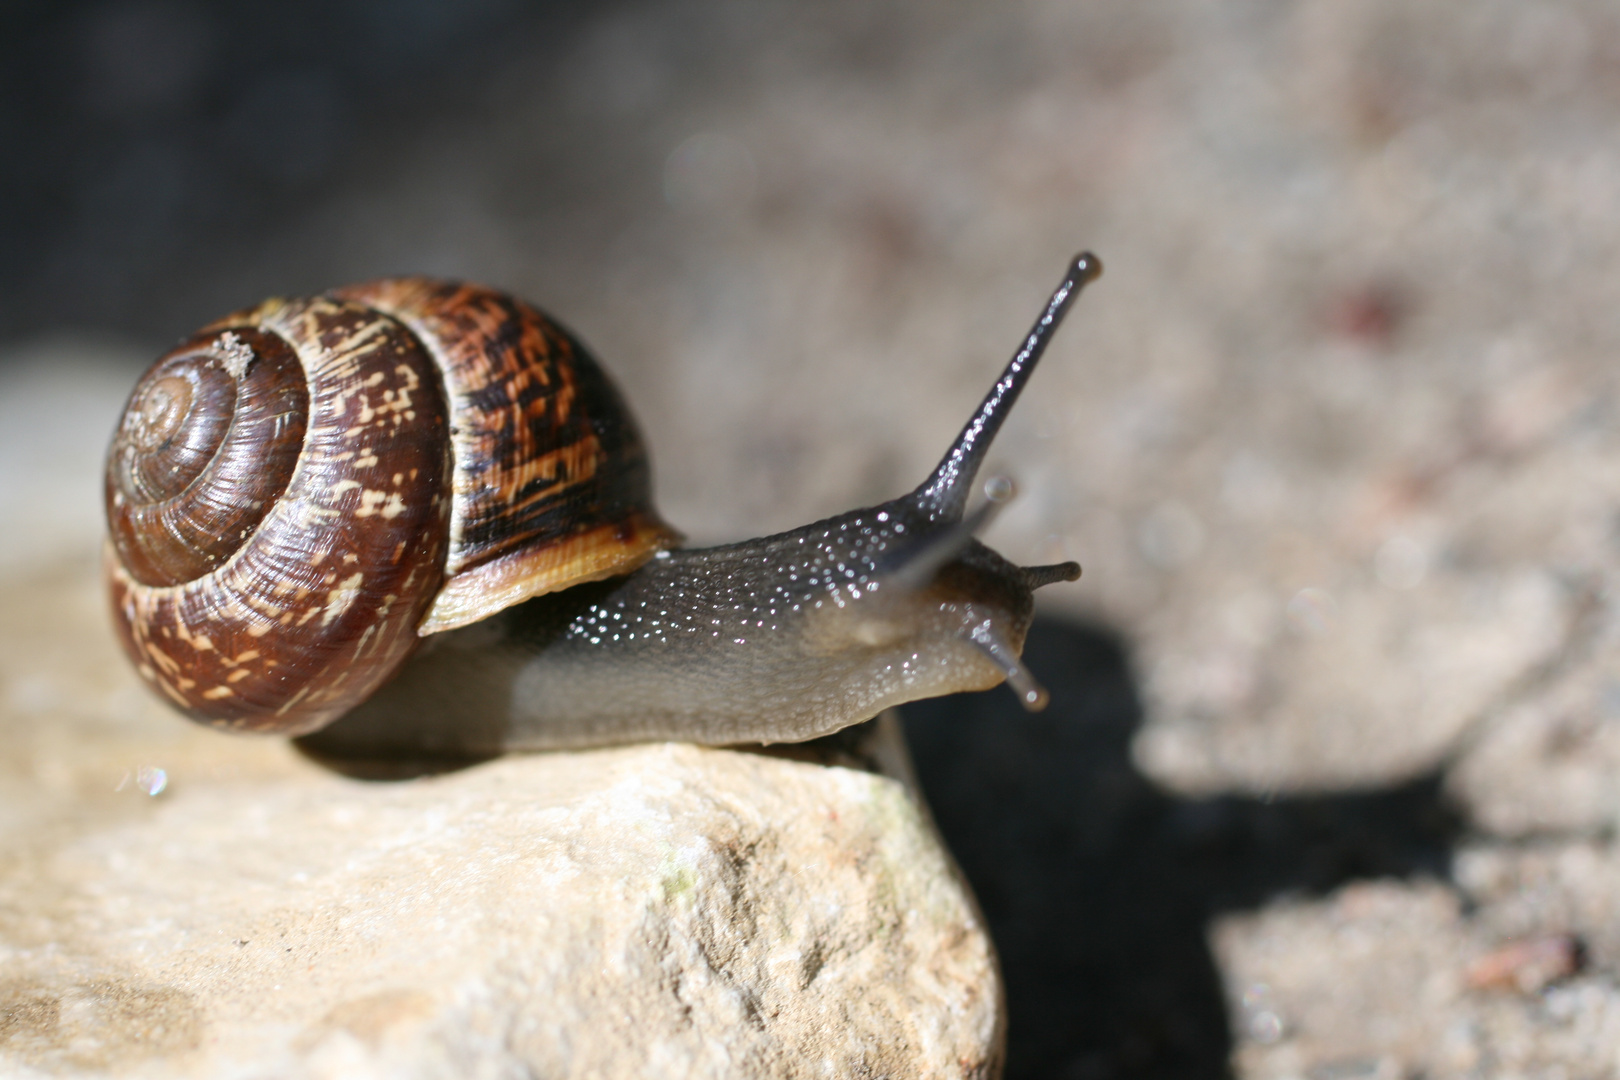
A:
[(943, 496)]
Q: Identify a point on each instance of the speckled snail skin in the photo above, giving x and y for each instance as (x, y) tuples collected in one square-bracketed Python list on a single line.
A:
[(300, 494)]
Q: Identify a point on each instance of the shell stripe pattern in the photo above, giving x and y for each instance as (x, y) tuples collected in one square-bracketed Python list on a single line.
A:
[(551, 477), (321, 603)]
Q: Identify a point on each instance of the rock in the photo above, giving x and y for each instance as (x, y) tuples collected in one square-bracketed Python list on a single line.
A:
[(61, 397), (660, 910), (1368, 1010), (178, 902), (1546, 762), (1386, 979)]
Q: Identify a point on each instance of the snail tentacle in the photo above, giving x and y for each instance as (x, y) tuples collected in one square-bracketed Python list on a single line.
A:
[(945, 493)]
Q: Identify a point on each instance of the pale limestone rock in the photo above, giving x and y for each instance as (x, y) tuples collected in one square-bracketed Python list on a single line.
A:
[(661, 911), (59, 400)]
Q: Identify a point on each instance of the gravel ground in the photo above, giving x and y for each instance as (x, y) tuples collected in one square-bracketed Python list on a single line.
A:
[(1327, 788)]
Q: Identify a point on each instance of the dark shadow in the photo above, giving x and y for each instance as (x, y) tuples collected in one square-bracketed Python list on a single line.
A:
[(1099, 886), (383, 767), (148, 145)]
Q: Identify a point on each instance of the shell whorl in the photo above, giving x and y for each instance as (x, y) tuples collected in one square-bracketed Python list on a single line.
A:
[(315, 605), (552, 482), (208, 442), (292, 492)]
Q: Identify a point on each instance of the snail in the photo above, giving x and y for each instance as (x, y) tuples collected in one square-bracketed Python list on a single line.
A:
[(301, 494)]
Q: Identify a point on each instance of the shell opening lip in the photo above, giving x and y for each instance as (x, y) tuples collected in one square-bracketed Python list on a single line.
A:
[(600, 553)]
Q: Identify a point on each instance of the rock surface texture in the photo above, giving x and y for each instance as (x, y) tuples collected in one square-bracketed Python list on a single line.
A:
[(174, 902)]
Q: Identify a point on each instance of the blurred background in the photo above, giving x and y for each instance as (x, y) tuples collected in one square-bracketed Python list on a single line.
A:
[(1336, 714)]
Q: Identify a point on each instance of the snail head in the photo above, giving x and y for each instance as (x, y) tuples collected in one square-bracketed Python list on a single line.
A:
[(909, 576)]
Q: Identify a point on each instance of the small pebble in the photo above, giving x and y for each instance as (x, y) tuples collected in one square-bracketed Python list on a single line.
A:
[(1529, 965)]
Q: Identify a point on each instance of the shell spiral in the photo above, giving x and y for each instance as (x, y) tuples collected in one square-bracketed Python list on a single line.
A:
[(297, 492)]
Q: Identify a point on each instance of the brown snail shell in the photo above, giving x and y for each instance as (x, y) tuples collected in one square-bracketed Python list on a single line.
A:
[(298, 491)]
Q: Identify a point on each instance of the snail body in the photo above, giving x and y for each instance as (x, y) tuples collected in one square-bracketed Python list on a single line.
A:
[(459, 471)]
